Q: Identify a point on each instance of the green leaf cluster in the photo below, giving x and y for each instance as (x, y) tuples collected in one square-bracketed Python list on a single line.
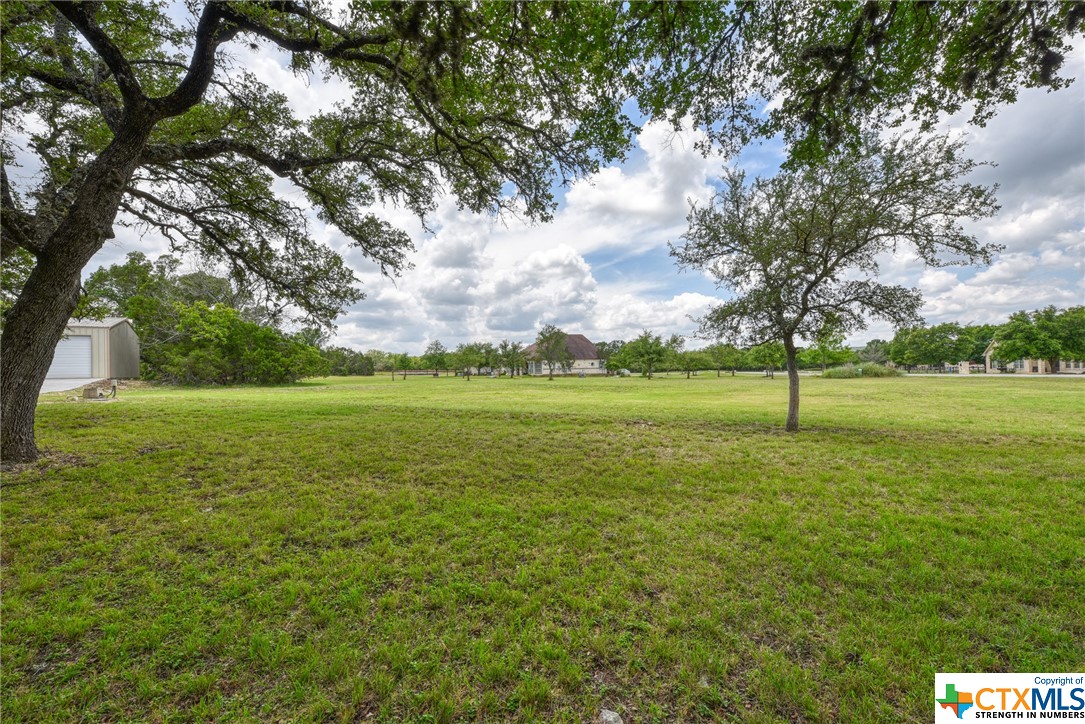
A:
[(215, 345)]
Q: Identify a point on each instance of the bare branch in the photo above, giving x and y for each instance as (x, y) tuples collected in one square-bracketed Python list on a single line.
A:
[(100, 98), (16, 223)]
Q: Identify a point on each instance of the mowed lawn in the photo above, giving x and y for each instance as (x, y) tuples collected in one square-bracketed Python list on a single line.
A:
[(441, 550)]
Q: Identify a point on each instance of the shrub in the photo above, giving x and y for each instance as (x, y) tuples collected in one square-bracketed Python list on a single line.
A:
[(214, 345), (868, 369)]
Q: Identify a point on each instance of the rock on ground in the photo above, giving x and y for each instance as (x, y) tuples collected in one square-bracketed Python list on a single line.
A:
[(606, 716)]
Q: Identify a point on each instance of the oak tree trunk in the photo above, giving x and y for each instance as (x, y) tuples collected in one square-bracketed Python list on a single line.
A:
[(35, 323), (792, 385)]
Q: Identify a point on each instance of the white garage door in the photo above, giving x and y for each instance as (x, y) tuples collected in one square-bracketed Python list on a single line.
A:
[(72, 358)]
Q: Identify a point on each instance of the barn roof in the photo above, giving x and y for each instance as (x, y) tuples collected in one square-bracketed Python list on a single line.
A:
[(103, 323)]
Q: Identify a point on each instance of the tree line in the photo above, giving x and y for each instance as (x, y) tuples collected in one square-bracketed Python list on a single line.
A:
[(1049, 334), (201, 327)]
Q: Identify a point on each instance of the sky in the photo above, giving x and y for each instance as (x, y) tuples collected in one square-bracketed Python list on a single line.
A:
[(601, 267)]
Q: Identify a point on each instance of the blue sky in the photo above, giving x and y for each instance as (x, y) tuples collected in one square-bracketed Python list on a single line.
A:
[(601, 267)]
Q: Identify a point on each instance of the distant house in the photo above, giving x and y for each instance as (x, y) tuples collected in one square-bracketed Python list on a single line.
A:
[(96, 349), (1036, 366), (582, 351)]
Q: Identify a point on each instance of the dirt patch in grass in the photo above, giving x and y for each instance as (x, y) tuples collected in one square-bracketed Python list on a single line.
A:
[(48, 462)]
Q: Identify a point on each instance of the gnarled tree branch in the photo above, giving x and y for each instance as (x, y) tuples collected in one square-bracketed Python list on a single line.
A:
[(81, 15)]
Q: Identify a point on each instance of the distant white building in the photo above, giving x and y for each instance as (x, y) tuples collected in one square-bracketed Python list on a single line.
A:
[(583, 352), (1033, 366)]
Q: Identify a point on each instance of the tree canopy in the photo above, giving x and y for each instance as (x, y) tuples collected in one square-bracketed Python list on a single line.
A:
[(768, 356), (724, 355), (196, 327), (469, 356), (215, 345), (647, 351), (933, 346), (1048, 334), (834, 70), (510, 355), (436, 355)]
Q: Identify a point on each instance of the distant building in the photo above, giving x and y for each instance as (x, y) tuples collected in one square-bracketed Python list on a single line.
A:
[(582, 351), (1031, 366), (96, 349)]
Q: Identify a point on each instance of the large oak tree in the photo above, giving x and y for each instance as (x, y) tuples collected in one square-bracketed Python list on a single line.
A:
[(800, 250), (136, 118)]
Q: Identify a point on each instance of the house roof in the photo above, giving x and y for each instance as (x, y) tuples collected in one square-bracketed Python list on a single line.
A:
[(103, 323), (578, 346)]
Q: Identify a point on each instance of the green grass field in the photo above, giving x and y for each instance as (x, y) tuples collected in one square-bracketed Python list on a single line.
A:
[(442, 550)]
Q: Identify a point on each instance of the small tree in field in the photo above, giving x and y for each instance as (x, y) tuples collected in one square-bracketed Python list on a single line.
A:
[(606, 350), (724, 356), (795, 248), (402, 363), (769, 356), (510, 355), (648, 351), (436, 356), (692, 360), (550, 348), (489, 356), (675, 347), (468, 357)]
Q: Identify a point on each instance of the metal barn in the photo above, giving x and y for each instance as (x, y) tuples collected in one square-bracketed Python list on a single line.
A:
[(103, 349)]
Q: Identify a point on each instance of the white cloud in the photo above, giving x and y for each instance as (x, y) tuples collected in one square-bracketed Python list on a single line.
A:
[(625, 315), (306, 94), (1009, 268), (933, 281), (478, 277)]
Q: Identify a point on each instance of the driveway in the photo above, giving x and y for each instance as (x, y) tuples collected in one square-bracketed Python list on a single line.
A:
[(70, 383)]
